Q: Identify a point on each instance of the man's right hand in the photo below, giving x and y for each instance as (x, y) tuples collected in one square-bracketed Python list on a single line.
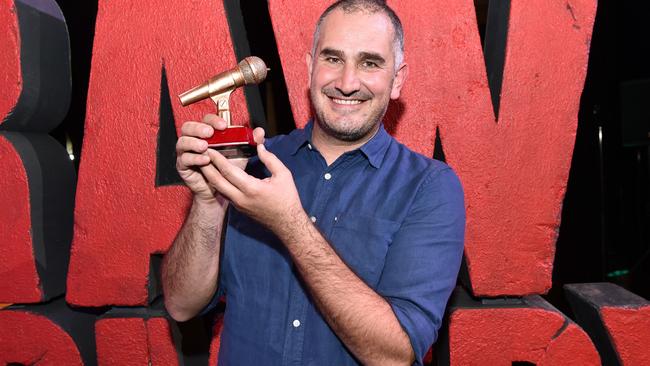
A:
[(191, 266), (192, 156)]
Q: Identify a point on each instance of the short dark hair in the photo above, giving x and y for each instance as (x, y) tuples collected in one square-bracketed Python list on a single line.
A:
[(368, 6)]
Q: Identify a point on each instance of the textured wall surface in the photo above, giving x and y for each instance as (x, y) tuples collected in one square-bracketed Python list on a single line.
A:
[(135, 341), (121, 216), (629, 328), (514, 170), (31, 339), (16, 255), (617, 320), (531, 331), (10, 76), (37, 185)]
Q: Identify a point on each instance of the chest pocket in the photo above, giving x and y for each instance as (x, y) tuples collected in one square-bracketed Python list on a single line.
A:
[(362, 242)]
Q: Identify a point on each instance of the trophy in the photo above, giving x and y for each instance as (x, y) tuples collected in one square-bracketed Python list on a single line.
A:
[(234, 141)]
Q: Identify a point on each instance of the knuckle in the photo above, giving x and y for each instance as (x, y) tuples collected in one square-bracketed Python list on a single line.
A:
[(253, 190), (209, 117), (226, 173), (185, 160), (179, 144), (186, 128)]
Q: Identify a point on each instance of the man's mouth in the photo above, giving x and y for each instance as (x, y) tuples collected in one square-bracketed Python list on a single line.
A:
[(346, 101)]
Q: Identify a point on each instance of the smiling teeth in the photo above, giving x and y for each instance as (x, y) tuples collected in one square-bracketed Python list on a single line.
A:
[(346, 101)]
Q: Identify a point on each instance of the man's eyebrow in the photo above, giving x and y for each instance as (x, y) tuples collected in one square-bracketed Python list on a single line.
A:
[(331, 52), (362, 56), (372, 56)]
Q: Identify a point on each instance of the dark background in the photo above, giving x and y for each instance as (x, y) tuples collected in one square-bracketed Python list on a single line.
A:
[(604, 233)]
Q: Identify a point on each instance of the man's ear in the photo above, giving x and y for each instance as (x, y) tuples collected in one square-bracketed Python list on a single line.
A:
[(400, 77), (308, 58)]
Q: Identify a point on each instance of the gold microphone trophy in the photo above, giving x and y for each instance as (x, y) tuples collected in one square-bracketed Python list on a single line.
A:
[(234, 141)]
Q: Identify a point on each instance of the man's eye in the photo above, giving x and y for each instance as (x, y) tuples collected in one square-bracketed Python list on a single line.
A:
[(333, 60), (369, 65)]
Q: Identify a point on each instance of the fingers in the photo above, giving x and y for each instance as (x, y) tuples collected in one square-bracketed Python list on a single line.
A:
[(215, 121), (193, 144), (258, 135), (272, 163), (188, 160), (205, 128), (196, 129), (233, 174), (221, 184), (191, 147)]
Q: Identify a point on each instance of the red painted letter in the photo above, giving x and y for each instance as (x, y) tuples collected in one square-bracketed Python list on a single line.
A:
[(617, 320), (37, 184), (30, 339), (494, 333), (514, 170), (123, 215)]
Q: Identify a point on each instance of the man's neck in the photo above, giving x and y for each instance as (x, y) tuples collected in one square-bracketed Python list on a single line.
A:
[(331, 148)]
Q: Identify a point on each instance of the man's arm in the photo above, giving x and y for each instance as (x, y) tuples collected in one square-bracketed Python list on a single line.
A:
[(191, 266), (361, 318)]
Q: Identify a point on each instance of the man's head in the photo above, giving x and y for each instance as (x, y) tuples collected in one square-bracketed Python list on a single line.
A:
[(356, 67), (367, 6)]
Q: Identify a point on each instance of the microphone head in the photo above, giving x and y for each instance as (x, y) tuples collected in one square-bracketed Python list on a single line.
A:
[(253, 69)]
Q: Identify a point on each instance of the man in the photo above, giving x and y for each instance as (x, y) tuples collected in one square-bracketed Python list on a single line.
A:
[(341, 246)]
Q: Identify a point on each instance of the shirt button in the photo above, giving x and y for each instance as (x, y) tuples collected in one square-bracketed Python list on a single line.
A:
[(328, 176), (296, 323), (313, 218), (309, 146)]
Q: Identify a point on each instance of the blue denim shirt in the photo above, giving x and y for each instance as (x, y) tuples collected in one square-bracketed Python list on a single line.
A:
[(395, 217)]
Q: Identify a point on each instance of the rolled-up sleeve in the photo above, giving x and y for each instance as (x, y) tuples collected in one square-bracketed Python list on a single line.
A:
[(423, 260)]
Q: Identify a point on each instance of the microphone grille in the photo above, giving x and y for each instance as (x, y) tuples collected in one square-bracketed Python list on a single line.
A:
[(253, 69)]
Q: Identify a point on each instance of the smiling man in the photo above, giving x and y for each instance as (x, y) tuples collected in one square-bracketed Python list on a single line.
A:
[(341, 246)]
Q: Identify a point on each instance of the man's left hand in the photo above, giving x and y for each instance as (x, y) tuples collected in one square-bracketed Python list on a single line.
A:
[(272, 201)]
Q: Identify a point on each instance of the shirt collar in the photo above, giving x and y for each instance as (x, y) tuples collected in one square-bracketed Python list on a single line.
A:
[(300, 138), (374, 150)]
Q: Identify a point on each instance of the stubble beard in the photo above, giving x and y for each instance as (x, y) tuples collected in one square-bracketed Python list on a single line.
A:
[(347, 130)]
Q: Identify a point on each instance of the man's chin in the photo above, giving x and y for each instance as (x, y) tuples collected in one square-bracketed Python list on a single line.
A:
[(345, 134)]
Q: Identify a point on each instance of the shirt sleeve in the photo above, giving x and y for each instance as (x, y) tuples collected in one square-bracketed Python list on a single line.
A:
[(423, 260)]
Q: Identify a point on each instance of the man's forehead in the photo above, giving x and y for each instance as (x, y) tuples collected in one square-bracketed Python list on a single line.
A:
[(359, 26)]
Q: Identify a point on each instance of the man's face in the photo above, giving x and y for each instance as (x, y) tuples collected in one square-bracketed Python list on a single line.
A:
[(353, 74)]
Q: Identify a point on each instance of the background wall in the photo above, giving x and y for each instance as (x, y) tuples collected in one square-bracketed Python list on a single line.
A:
[(506, 121)]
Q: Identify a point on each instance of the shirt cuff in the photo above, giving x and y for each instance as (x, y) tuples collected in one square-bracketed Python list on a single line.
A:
[(217, 298), (419, 328)]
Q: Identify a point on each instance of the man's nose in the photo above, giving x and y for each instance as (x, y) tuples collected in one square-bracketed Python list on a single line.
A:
[(349, 82)]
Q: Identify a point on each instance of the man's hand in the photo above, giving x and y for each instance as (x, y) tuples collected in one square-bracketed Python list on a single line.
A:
[(193, 159), (191, 266), (273, 201)]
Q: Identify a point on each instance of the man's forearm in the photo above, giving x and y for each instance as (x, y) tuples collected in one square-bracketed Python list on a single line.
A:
[(360, 317), (191, 266)]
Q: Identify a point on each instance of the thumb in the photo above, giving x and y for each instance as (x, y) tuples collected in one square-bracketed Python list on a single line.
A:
[(272, 163)]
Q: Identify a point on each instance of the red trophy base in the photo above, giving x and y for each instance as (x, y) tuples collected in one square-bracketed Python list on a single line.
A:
[(233, 142)]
